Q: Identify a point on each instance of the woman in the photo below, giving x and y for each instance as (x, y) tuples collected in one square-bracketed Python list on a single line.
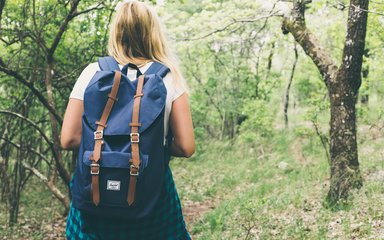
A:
[(136, 37)]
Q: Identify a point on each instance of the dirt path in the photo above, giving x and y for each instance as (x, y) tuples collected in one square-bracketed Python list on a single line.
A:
[(194, 211)]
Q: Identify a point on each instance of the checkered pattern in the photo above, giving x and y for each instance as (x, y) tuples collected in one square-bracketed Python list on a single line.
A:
[(166, 222)]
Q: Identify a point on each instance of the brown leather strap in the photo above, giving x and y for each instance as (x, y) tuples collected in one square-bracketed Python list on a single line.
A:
[(98, 136), (135, 139)]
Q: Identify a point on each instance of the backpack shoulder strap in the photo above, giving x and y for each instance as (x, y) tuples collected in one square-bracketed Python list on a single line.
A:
[(108, 64), (98, 136), (157, 68)]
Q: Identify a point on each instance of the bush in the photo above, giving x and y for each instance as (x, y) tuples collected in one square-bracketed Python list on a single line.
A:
[(258, 124)]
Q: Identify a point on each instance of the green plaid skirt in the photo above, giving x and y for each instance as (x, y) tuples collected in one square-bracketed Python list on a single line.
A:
[(166, 222)]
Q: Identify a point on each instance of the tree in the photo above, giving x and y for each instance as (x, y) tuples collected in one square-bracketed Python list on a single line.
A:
[(286, 99), (34, 67), (230, 52), (343, 83)]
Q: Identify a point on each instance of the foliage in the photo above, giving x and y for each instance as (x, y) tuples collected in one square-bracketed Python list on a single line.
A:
[(258, 124)]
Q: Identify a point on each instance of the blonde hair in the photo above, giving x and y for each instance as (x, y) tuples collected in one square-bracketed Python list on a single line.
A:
[(136, 36)]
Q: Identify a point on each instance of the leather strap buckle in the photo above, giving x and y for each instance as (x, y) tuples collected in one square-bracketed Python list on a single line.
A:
[(135, 135), (97, 135), (137, 170), (97, 166)]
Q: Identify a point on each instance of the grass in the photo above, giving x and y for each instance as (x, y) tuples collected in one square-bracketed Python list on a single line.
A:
[(270, 189), (254, 196), (40, 215)]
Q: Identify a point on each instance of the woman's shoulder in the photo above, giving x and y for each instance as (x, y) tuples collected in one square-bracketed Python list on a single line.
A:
[(83, 80), (92, 67), (174, 88), (88, 72)]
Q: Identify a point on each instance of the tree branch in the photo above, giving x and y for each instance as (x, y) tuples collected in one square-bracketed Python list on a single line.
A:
[(99, 6), (233, 22), (56, 155), (26, 149), (324, 141), (295, 24), (30, 122), (61, 31), (36, 92), (56, 192), (340, 5)]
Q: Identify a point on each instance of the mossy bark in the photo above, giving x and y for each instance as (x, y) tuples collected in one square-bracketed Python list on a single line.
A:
[(343, 85), (345, 173)]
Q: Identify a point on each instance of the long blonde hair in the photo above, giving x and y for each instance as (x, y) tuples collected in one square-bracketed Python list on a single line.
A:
[(136, 36)]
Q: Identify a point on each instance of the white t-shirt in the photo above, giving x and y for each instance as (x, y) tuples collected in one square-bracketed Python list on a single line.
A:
[(173, 91)]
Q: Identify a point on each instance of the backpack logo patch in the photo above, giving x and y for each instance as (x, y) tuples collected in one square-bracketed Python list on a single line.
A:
[(113, 185)]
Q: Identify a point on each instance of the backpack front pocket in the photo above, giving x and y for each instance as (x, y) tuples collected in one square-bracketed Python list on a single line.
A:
[(113, 177)]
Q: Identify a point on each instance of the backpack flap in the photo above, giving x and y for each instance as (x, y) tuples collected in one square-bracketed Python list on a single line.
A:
[(96, 95)]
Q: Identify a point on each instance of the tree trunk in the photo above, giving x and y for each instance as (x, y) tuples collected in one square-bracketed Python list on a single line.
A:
[(287, 90), (345, 173), (343, 84)]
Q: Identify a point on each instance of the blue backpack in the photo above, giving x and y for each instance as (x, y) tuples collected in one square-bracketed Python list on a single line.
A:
[(122, 157)]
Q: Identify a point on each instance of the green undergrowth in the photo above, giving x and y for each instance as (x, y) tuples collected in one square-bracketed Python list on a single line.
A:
[(40, 215), (276, 189)]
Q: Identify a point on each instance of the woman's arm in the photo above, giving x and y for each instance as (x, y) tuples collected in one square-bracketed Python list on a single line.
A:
[(183, 144), (71, 129)]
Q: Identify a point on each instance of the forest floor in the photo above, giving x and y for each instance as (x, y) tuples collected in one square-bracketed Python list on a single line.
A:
[(271, 189)]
